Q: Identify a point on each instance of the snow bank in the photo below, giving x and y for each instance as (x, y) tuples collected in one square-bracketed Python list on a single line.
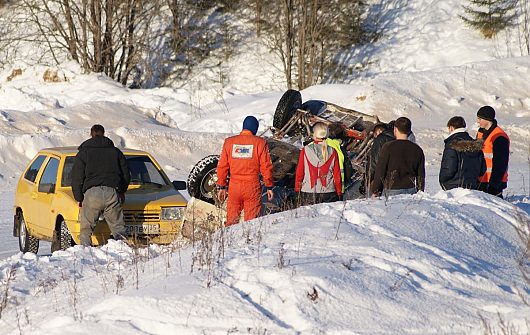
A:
[(409, 264)]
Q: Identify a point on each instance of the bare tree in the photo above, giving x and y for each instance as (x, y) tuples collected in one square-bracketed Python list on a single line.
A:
[(109, 36), (524, 27), (308, 34)]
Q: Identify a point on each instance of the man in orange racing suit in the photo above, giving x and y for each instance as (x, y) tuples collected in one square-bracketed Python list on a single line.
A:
[(244, 156)]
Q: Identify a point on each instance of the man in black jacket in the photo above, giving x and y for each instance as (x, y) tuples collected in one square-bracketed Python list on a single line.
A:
[(383, 133), (100, 177), (401, 164), (462, 160)]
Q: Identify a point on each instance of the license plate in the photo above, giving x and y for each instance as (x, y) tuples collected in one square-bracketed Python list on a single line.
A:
[(142, 229)]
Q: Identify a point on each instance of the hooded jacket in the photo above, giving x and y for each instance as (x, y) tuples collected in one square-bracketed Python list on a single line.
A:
[(462, 161), (99, 163)]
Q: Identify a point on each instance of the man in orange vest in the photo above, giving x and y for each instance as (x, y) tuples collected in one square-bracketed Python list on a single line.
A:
[(245, 156), (496, 149)]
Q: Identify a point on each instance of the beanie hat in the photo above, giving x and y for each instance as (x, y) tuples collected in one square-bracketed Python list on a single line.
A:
[(251, 123), (320, 130), (486, 113)]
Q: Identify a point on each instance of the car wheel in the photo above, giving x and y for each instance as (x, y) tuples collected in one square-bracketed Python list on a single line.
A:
[(26, 242), (62, 239), (65, 238), (289, 102), (202, 179)]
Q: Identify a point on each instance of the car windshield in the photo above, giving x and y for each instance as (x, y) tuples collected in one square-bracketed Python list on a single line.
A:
[(143, 171)]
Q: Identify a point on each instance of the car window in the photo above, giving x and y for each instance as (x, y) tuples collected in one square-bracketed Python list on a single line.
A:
[(49, 176), (33, 170), (144, 171), (66, 178)]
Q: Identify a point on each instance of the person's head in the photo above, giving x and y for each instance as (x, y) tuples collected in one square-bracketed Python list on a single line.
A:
[(485, 117), (379, 128), (456, 122), (402, 128), (97, 130), (320, 131), (251, 123), (336, 131)]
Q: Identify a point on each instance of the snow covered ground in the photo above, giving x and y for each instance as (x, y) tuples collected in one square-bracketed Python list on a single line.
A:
[(413, 264), (432, 263)]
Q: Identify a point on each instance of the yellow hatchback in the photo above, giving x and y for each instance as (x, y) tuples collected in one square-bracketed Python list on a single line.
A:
[(45, 208)]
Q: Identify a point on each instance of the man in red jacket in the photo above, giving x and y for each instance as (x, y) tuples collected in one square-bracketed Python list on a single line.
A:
[(244, 156)]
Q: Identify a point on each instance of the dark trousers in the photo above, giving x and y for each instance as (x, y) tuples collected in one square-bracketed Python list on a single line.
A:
[(484, 187)]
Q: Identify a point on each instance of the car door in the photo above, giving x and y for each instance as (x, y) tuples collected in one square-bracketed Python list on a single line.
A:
[(43, 197), (26, 189)]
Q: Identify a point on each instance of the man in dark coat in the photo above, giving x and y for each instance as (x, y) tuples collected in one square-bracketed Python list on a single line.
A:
[(383, 133), (100, 177), (401, 164), (462, 160)]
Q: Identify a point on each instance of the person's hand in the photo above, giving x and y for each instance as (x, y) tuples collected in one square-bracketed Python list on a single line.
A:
[(80, 204), (221, 195), (270, 194), (121, 196)]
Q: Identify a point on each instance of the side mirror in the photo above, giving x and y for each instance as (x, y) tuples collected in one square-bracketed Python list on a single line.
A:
[(179, 185)]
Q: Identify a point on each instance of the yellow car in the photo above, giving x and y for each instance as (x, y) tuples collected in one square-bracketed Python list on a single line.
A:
[(45, 208)]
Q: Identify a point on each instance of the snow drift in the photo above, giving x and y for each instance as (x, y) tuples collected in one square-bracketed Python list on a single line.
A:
[(409, 264)]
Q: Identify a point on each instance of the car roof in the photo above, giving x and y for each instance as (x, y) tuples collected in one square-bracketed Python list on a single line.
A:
[(74, 149)]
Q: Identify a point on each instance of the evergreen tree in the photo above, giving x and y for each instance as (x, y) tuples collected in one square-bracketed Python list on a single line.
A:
[(489, 16)]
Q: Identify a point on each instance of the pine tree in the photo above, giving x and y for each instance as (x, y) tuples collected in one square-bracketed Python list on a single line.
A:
[(489, 16)]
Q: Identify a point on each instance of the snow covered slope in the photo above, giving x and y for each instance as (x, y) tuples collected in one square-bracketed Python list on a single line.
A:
[(412, 264)]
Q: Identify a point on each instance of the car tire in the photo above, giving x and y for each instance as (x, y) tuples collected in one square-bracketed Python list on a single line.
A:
[(26, 242), (202, 179), (65, 238), (289, 102), (62, 239)]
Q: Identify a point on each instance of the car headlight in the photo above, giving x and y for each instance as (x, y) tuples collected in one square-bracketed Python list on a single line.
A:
[(172, 213)]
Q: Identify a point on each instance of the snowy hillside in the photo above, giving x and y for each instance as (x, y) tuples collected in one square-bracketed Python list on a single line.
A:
[(421, 264), (432, 263)]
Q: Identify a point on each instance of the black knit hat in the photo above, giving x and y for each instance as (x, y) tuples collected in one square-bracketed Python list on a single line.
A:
[(486, 113)]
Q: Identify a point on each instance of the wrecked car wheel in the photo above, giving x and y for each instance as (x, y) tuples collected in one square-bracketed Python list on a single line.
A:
[(202, 179), (290, 101)]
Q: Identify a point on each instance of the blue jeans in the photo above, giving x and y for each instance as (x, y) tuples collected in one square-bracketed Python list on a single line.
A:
[(389, 193)]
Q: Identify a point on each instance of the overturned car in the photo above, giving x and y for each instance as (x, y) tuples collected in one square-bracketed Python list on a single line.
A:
[(291, 128)]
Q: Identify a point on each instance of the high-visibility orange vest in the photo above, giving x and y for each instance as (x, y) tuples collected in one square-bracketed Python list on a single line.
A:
[(487, 149)]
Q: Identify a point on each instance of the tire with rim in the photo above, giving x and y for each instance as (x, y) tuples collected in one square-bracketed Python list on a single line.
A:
[(26, 242), (289, 102), (202, 179)]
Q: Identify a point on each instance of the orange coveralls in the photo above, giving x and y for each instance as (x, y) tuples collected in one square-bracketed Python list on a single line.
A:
[(244, 156)]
